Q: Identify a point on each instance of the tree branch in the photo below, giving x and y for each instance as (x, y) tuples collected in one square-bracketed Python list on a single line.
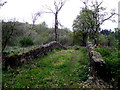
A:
[(35, 17), (108, 18), (1, 4), (62, 4)]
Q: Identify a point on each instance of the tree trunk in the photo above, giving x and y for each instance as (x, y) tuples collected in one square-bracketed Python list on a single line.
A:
[(56, 26)]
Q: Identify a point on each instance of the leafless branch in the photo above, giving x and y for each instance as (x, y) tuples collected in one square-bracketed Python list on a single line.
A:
[(1, 4), (99, 4), (85, 3), (35, 17), (61, 24), (49, 10), (62, 4), (108, 18)]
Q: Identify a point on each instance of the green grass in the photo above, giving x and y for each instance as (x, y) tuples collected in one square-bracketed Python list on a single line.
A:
[(58, 69)]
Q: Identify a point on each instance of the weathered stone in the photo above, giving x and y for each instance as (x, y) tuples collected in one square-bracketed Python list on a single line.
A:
[(97, 62)]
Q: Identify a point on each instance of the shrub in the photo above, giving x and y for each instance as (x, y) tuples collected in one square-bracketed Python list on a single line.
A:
[(25, 41)]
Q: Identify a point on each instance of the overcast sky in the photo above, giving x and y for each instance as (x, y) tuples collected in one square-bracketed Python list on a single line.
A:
[(22, 10)]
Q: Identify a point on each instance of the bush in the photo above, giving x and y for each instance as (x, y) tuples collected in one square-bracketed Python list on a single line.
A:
[(24, 42)]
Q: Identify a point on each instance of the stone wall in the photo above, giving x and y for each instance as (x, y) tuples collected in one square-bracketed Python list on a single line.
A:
[(23, 58), (98, 64)]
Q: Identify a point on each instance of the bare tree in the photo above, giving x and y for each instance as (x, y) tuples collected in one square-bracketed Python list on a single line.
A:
[(98, 16), (57, 7), (35, 16)]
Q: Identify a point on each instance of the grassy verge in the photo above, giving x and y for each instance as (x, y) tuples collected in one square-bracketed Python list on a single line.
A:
[(59, 69)]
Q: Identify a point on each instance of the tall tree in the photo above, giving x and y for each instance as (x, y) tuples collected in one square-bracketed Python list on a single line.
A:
[(100, 15), (58, 4), (83, 24), (96, 16)]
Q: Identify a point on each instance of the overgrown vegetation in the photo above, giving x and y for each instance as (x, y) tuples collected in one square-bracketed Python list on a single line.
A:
[(58, 69), (13, 32), (112, 58)]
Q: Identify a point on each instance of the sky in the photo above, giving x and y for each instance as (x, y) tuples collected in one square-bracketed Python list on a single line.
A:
[(22, 10)]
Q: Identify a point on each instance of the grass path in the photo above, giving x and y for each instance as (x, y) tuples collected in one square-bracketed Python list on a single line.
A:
[(59, 69)]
